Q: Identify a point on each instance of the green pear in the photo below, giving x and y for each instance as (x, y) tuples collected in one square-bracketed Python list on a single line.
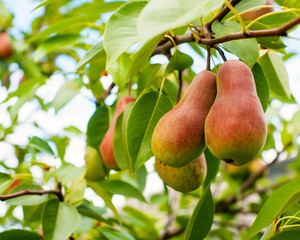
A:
[(94, 165), (178, 137), (235, 128), (183, 179)]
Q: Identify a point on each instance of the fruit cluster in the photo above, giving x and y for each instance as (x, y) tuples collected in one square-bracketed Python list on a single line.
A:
[(221, 111)]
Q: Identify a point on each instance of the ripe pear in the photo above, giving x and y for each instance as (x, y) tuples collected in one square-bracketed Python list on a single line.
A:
[(235, 127), (5, 46), (178, 137), (183, 179), (94, 165), (250, 16), (106, 146)]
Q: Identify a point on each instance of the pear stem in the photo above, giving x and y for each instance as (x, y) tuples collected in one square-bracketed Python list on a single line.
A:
[(208, 59), (180, 85)]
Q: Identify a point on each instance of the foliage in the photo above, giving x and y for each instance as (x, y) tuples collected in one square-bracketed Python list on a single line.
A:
[(118, 48)]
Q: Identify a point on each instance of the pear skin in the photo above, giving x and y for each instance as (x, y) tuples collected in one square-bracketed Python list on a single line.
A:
[(5, 46), (235, 127), (178, 137), (106, 146), (183, 179)]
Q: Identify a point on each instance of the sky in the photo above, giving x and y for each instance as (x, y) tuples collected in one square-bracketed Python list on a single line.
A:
[(80, 109)]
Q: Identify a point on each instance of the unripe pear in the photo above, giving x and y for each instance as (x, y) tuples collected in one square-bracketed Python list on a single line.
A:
[(178, 137), (249, 16), (235, 127), (183, 179), (5, 46), (94, 165), (106, 146)]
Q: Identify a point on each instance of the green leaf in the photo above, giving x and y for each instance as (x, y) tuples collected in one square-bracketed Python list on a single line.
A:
[(5, 181), (95, 50), (75, 192), (97, 7), (19, 234), (46, 3), (100, 191), (122, 188), (119, 70), (68, 172), (142, 57), (29, 200), (141, 123), (119, 139), (66, 93), (97, 127), (275, 72), (246, 49), (262, 86), (56, 43), (94, 165), (212, 164), (289, 3), (111, 233), (159, 16), (179, 61), (202, 218), (59, 220), (40, 145), (244, 5), (121, 30), (278, 203), (89, 210), (286, 235)]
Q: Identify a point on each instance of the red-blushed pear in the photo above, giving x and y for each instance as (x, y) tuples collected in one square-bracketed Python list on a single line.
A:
[(235, 127), (5, 46), (178, 137), (249, 16), (106, 146), (183, 179)]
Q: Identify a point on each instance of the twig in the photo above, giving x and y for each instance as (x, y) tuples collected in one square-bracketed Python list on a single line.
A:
[(280, 31), (104, 95), (173, 233), (208, 59), (180, 85), (220, 52)]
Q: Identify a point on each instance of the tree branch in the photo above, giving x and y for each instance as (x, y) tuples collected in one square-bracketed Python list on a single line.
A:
[(280, 31), (104, 95), (56, 192)]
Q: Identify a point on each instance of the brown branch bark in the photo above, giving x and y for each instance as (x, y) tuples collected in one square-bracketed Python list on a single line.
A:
[(180, 85), (280, 31), (56, 192), (104, 95)]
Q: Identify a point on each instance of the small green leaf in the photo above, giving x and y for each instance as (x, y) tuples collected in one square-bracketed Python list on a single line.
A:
[(19, 234), (59, 220), (97, 127), (75, 192), (121, 30), (40, 145), (159, 16), (141, 123), (68, 172), (89, 210), (246, 49), (94, 165), (278, 203), (5, 181), (29, 200), (100, 191), (202, 218), (275, 72), (56, 43), (287, 235), (123, 188), (179, 61), (95, 50), (289, 4), (112, 233), (262, 86), (66, 93), (46, 3), (212, 164)]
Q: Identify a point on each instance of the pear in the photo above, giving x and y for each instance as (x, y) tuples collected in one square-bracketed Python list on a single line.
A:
[(235, 128), (178, 137), (250, 16), (94, 165), (5, 46), (183, 179), (106, 146)]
